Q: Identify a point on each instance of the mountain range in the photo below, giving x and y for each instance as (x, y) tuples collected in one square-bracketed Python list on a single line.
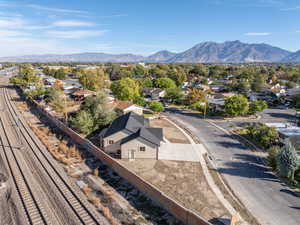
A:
[(205, 52)]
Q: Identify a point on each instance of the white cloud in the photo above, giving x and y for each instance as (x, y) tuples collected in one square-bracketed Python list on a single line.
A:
[(11, 23), (58, 10), (257, 34), (72, 23), (75, 34)]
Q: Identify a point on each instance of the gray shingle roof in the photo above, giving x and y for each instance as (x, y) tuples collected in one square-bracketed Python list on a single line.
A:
[(130, 122), (153, 135)]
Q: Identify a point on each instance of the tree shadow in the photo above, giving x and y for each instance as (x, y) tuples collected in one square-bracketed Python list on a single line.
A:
[(248, 166), (229, 145), (292, 193), (282, 116)]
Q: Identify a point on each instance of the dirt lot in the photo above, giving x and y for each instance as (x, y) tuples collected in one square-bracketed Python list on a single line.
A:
[(171, 133), (184, 182)]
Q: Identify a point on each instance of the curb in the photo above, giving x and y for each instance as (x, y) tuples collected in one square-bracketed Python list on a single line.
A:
[(206, 172)]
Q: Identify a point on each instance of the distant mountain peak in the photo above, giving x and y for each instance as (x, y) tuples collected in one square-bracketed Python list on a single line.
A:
[(161, 56), (204, 52), (230, 51)]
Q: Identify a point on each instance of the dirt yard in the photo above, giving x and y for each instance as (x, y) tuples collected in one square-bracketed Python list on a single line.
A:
[(184, 182), (171, 132)]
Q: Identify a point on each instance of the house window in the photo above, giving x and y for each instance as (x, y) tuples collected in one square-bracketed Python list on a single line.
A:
[(142, 149), (110, 142)]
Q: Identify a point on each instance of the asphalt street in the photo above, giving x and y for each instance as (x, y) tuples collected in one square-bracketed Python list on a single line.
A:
[(269, 200)]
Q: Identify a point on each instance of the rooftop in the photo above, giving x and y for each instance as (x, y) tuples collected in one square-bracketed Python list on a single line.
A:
[(287, 129), (129, 121)]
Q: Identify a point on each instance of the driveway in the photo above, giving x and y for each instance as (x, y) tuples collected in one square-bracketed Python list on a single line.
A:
[(179, 152), (269, 200)]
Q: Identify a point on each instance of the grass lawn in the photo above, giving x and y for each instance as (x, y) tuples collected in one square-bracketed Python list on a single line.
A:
[(149, 114)]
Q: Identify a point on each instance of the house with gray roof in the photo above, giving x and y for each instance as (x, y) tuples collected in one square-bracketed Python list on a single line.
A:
[(130, 137)]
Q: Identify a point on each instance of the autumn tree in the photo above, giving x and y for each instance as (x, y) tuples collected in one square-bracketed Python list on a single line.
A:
[(196, 95), (93, 80), (125, 89)]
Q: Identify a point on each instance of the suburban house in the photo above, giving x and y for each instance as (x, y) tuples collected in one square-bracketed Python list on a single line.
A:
[(130, 137), (154, 93), (215, 105), (123, 107), (71, 85), (278, 90), (80, 95)]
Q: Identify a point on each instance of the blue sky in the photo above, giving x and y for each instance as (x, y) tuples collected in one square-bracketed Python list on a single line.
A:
[(143, 26)]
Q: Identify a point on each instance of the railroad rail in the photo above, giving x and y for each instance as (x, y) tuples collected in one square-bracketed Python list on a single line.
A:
[(81, 210), (30, 202)]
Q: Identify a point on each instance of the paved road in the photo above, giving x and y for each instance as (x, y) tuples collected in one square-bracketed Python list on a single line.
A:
[(274, 115), (270, 201)]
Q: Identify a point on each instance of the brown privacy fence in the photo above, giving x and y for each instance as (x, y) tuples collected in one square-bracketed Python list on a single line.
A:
[(181, 213)]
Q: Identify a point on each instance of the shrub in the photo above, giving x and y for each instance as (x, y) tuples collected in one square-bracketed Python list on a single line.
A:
[(139, 100), (257, 106), (272, 155), (156, 106), (262, 134)]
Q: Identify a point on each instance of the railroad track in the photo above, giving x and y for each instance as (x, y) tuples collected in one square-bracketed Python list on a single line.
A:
[(80, 208), (31, 204)]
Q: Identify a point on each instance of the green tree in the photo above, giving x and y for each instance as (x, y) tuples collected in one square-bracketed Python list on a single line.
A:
[(60, 102), (199, 106), (236, 105), (175, 95), (165, 83), (139, 100), (258, 83), (139, 71), (37, 92), (287, 161), (83, 122), (93, 80), (178, 75), (99, 108), (257, 106), (146, 82), (126, 89), (243, 86), (60, 74), (296, 100), (156, 106)]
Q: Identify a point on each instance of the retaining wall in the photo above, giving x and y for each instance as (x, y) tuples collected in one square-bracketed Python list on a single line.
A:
[(181, 213)]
